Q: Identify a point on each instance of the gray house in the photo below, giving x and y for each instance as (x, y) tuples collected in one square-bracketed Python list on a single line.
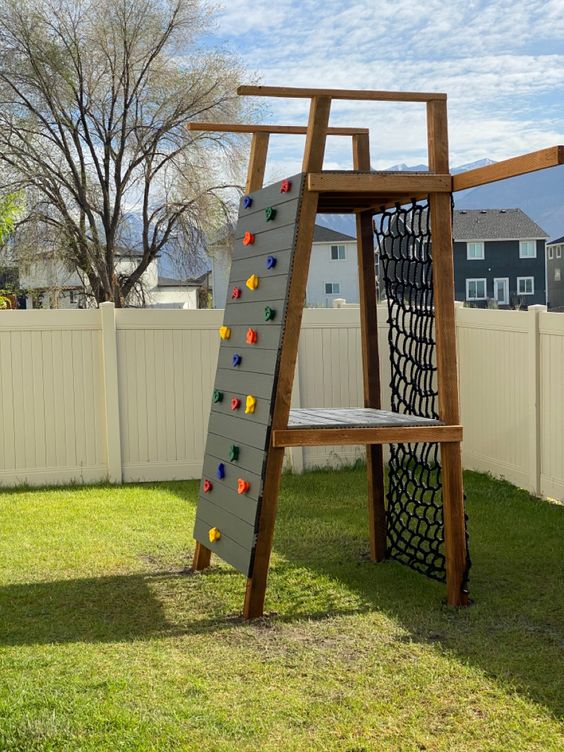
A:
[(499, 256), (555, 274)]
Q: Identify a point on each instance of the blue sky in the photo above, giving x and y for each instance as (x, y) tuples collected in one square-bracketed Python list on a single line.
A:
[(501, 64)]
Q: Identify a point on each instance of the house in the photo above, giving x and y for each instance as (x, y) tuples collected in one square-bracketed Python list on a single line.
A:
[(499, 257), (555, 274), (333, 269)]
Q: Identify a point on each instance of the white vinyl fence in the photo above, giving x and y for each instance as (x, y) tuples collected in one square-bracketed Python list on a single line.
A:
[(124, 395)]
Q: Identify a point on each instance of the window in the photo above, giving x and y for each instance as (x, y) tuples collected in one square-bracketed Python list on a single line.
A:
[(73, 297), (525, 285), (337, 252), (475, 289), (332, 288), (558, 251), (501, 290), (557, 274), (474, 251), (550, 253), (527, 249)]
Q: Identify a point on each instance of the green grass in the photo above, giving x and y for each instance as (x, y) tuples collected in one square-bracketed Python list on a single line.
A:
[(108, 643)]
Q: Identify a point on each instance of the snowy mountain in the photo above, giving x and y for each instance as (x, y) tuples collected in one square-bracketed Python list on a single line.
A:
[(538, 194)]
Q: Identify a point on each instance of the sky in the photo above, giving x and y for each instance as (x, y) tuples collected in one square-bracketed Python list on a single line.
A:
[(501, 64)]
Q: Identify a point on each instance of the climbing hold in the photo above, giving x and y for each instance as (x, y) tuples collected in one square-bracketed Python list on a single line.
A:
[(217, 396), (269, 213), (208, 486), (243, 486), (269, 313), (286, 186), (236, 293), (247, 202), (251, 404), (233, 453), (252, 336), (253, 282), (225, 332), (214, 535), (235, 403), (236, 360), (270, 262), (221, 471), (248, 238)]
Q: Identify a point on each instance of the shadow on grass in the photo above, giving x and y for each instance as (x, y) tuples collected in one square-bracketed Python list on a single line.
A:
[(512, 632)]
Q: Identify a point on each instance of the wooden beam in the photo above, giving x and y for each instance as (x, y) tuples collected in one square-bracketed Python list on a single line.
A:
[(356, 94), (370, 358), (294, 437), (257, 162), (316, 138), (202, 557), (299, 130), (509, 168), (447, 375), (378, 183)]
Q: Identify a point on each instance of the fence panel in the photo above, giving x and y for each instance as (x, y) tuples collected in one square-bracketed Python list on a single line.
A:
[(551, 362), (52, 398)]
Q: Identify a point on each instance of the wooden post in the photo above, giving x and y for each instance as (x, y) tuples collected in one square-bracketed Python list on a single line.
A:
[(445, 334), (257, 162), (370, 358), (313, 160)]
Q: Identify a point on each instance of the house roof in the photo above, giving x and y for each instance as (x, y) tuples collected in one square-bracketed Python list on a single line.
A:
[(325, 235), (558, 240), (494, 224), (172, 282)]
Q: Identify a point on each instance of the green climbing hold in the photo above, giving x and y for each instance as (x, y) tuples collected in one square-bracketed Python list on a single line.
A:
[(217, 395), (269, 313), (233, 453), (270, 213)]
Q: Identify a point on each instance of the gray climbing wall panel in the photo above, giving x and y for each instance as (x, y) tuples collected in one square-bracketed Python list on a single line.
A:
[(237, 440)]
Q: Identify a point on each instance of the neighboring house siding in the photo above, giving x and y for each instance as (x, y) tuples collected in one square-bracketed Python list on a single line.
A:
[(555, 274), (501, 260), (324, 270)]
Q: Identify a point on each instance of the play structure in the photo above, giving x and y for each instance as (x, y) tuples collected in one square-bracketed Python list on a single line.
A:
[(421, 520)]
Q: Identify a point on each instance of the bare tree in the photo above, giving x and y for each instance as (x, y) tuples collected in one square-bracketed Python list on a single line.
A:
[(95, 96)]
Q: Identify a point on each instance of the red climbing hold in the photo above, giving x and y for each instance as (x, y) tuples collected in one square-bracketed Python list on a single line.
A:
[(243, 486), (252, 336), (236, 293), (208, 485), (286, 186), (235, 403)]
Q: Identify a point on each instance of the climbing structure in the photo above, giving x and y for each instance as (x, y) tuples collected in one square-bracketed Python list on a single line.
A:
[(422, 520)]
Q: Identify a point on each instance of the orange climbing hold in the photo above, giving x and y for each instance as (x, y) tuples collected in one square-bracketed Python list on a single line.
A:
[(243, 486), (252, 336), (250, 404), (225, 332), (253, 282), (248, 238), (214, 534)]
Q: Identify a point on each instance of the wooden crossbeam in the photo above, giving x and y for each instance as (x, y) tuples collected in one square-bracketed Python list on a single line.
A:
[(354, 94), (299, 130), (509, 168), (295, 437), (379, 183)]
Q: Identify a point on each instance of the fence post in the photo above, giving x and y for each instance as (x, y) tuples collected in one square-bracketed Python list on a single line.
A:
[(111, 392), (533, 407)]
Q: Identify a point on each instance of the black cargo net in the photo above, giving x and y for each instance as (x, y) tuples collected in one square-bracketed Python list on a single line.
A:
[(415, 534)]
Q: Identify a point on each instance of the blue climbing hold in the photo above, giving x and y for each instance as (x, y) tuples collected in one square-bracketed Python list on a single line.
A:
[(247, 202), (221, 471), (270, 262), (236, 360)]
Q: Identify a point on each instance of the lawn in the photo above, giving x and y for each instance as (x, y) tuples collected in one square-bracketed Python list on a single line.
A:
[(108, 642)]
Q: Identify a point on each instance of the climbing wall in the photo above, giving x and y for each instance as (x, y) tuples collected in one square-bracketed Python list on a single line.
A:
[(247, 372)]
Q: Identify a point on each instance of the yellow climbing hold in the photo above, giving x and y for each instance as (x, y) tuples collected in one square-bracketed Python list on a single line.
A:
[(250, 404), (225, 332), (214, 535), (253, 282)]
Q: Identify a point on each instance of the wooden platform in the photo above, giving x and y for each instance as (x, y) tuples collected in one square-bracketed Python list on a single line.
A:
[(320, 426)]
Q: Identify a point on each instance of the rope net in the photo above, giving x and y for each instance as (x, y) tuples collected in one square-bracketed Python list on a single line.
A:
[(415, 530)]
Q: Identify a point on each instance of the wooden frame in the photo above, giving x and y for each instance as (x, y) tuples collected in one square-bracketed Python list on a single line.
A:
[(364, 192)]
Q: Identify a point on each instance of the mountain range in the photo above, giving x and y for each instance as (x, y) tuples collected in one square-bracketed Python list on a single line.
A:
[(538, 194)]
